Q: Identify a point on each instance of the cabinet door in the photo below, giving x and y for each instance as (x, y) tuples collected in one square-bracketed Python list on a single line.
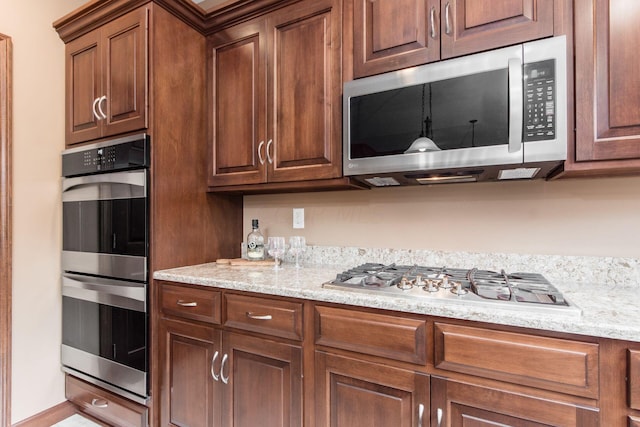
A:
[(305, 123), (84, 88), (125, 61), (393, 34), (354, 393), (607, 80), (190, 356), (264, 382), (238, 121), (459, 404), (475, 25)]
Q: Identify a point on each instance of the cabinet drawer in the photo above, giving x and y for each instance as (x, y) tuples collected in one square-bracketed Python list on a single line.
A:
[(634, 379), (104, 405), (393, 337), (264, 315), (547, 363), (191, 303)]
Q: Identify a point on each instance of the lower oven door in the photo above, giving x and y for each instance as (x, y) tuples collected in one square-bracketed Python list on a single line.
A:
[(104, 332)]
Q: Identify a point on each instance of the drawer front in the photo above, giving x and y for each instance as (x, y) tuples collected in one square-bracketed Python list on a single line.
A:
[(634, 379), (104, 405), (392, 337), (191, 303), (264, 315), (547, 363)]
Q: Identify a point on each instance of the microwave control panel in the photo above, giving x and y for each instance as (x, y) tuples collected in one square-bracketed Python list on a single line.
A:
[(539, 101)]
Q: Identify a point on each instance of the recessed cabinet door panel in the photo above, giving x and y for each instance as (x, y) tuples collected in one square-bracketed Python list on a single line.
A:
[(83, 88), (305, 113), (190, 396), (472, 26), (355, 393), (239, 109), (265, 382), (125, 77), (607, 80), (458, 404), (393, 34)]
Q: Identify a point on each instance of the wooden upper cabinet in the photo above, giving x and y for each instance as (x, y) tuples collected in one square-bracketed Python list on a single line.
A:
[(393, 34), (106, 79), (276, 85), (470, 26), (607, 81)]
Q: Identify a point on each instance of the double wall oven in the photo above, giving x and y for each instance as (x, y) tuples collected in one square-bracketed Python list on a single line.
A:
[(105, 247)]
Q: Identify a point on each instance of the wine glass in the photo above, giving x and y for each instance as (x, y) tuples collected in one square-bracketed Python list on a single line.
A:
[(277, 248), (297, 246)]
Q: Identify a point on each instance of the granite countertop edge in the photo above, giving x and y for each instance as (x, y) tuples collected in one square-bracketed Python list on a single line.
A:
[(605, 312)]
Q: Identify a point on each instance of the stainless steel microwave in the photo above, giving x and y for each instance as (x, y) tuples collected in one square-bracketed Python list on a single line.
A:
[(496, 115)]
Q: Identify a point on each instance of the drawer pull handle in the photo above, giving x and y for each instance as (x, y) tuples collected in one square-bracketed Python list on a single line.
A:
[(213, 363), (187, 304), (222, 365), (99, 403), (250, 315)]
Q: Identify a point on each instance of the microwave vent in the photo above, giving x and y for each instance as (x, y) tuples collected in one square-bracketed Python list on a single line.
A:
[(378, 181), (518, 173)]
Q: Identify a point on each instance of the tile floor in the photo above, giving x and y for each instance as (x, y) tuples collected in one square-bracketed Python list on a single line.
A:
[(76, 421)]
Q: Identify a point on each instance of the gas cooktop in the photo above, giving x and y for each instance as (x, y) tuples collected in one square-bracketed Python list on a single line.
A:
[(521, 291)]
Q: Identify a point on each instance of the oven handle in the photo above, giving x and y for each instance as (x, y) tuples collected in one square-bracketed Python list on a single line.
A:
[(119, 184), (127, 295)]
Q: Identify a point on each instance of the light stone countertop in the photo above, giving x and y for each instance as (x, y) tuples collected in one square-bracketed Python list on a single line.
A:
[(609, 311)]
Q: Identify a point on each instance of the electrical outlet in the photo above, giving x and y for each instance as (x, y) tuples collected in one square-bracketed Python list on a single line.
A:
[(298, 217)]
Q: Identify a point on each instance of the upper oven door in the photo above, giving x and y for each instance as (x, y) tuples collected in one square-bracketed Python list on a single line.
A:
[(105, 225)]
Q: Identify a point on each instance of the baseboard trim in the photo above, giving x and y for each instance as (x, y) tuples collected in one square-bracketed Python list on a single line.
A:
[(49, 416)]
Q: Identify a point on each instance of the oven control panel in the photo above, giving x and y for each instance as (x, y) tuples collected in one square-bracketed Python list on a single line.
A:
[(539, 101), (121, 154)]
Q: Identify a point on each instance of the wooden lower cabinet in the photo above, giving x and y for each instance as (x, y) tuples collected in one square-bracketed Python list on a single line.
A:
[(189, 394), (458, 404), (214, 378), (355, 393)]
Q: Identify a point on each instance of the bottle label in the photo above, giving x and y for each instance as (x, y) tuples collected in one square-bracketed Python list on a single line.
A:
[(255, 250)]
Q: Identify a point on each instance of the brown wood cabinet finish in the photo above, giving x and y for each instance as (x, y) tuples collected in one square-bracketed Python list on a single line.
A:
[(391, 35), (104, 405), (204, 305), (190, 356), (607, 88), (376, 334), (458, 404), (355, 393), (106, 79), (265, 382), (547, 363), (275, 93), (264, 315), (634, 379), (634, 422)]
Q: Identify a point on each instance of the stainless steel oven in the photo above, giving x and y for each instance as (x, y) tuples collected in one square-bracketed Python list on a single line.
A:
[(105, 249)]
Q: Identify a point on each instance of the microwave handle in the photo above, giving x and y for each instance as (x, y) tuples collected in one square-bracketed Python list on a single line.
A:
[(515, 105)]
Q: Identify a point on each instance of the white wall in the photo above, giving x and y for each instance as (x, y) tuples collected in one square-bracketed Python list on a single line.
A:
[(589, 217), (38, 131)]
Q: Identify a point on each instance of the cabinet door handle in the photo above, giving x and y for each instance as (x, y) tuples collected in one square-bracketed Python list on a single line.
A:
[(213, 363), (187, 304), (260, 152), (434, 34), (99, 403), (439, 417), (420, 414), (447, 19), (93, 108), (222, 365), (253, 316), (269, 151), (103, 98)]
